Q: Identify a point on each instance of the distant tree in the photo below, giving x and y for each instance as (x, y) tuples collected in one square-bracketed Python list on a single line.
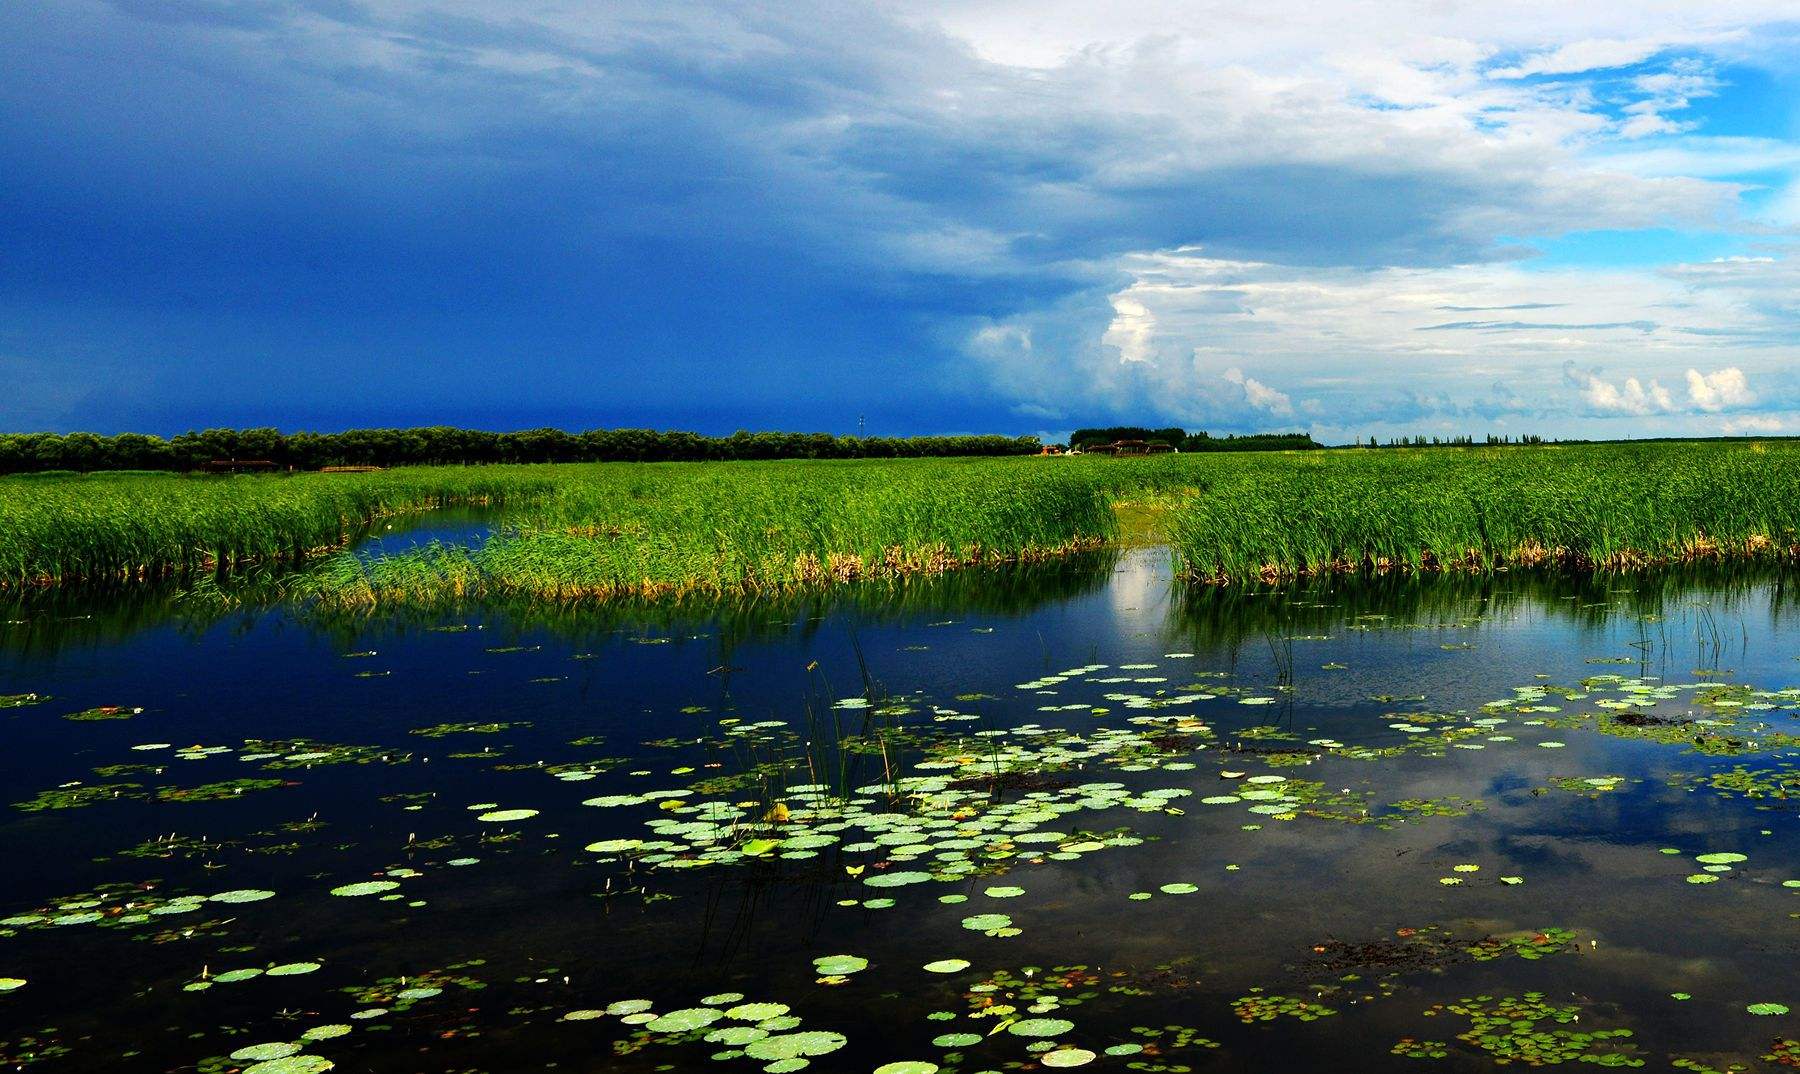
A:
[(442, 445)]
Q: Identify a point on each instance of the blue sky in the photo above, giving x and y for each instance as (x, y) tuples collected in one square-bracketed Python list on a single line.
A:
[(1571, 220)]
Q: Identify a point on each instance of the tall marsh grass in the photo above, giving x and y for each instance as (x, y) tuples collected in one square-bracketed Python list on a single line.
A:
[(660, 529), (1592, 506), (133, 526), (653, 529), (578, 530)]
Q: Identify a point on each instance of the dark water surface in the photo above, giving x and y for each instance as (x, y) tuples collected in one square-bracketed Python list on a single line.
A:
[(1451, 822)]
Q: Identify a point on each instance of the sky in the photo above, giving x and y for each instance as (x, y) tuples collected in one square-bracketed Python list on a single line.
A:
[(1350, 218)]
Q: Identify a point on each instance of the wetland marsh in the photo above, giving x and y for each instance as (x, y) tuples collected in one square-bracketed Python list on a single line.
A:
[(1045, 811), (1081, 817)]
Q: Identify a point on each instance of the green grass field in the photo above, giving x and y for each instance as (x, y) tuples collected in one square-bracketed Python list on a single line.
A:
[(605, 530)]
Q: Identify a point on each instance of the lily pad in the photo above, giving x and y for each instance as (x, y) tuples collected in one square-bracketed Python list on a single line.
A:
[(839, 965), (685, 1020), (812, 1042), (1040, 1027), (366, 887)]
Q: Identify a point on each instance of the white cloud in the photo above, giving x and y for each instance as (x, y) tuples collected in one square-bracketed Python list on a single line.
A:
[(1578, 56), (1751, 424), (1133, 329), (1000, 339), (1258, 394), (1360, 176), (1467, 345), (1630, 397), (1717, 391)]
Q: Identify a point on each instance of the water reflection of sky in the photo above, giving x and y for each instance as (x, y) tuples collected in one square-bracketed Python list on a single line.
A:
[(1356, 657)]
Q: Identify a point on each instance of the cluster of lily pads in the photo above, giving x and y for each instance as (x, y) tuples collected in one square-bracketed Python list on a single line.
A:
[(124, 905), (1528, 1029), (765, 1033)]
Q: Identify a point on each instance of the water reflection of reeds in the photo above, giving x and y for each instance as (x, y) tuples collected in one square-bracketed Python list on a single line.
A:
[(38, 622)]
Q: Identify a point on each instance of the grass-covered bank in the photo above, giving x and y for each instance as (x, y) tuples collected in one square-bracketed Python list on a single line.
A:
[(1612, 506), (654, 529), (99, 528), (571, 530)]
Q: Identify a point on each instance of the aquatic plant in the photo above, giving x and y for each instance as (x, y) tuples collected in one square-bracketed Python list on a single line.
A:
[(1613, 505)]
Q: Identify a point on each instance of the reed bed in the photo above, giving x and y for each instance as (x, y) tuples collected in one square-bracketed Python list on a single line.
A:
[(657, 530), (612, 530), (1612, 506), (114, 527)]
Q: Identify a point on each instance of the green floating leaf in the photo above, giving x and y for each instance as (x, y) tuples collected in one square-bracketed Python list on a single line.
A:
[(367, 887), (262, 1052), (293, 969), (1040, 1027), (895, 880), (684, 1020), (292, 1064), (839, 965), (786, 1046)]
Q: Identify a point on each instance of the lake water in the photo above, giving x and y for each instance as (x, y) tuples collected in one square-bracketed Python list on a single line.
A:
[(1069, 816)]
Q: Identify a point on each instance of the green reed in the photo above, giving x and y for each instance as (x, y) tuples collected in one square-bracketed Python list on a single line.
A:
[(1610, 505), (609, 530), (662, 529), (113, 527)]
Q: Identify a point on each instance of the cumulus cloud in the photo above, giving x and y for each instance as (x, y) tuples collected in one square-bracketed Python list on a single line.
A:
[(1349, 346), (1051, 199), (1258, 394), (1132, 331), (1629, 397), (1720, 390)]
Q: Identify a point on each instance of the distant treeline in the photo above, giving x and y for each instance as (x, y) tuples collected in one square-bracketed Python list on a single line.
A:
[(442, 445), (1492, 440), (1182, 440)]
